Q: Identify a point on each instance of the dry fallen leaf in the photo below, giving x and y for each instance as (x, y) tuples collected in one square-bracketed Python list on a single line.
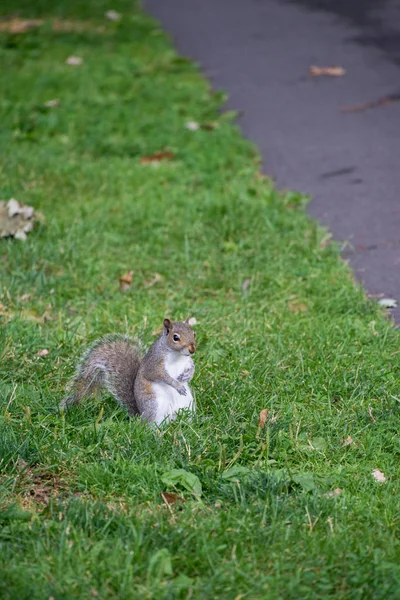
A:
[(329, 71), (333, 493), (22, 464), (387, 302), (74, 61), (25, 297), (3, 309), (42, 353), (245, 284), (297, 307), (171, 498), (157, 157), (263, 418), (155, 279), (378, 476), (192, 125), (125, 281), (52, 103), (16, 220), (112, 15), (348, 441), (18, 25)]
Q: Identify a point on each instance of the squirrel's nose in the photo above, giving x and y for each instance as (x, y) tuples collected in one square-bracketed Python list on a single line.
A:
[(192, 349)]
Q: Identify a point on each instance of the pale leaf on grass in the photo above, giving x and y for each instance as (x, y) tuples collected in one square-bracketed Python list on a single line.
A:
[(192, 125), (74, 61), (245, 284), (378, 476), (52, 103), (112, 15), (16, 219), (333, 493), (348, 441), (192, 321), (387, 302), (42, 353)]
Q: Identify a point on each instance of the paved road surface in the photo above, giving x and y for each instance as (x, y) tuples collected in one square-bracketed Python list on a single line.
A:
[(260, 52)]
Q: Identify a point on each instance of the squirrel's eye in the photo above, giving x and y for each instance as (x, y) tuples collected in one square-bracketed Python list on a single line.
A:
[(176, 337)]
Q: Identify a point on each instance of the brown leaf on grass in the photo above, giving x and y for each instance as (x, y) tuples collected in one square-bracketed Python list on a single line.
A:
[(157, 157), (74, 61), (262, 419), (3, 309), (17, 25), (333, 71), (155, 279), (125, 281), (171, 498), (42, 353), (297, 307), (385, 100)]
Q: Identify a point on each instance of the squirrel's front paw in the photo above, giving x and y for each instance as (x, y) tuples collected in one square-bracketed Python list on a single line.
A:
[(182, 390)]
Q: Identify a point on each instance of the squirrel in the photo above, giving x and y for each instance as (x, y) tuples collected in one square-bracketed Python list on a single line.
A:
[(154, 387)]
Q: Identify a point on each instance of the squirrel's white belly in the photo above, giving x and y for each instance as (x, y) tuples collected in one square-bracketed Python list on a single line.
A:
[(169, 401)]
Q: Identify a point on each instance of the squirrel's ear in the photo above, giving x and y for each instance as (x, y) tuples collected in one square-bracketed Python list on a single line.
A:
[(167, 325), (187, 319)]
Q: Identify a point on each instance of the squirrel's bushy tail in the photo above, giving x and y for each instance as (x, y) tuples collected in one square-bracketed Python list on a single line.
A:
[(111, 363)]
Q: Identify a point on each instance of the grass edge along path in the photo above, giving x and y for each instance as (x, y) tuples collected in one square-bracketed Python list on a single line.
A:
[(96, 505)]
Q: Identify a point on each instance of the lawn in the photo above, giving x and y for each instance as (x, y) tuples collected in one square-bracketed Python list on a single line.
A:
[(91, 502)]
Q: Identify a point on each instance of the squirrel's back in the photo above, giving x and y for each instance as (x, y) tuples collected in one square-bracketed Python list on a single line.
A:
[(112, 362)]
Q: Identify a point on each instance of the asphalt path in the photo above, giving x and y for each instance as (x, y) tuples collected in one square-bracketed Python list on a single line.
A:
[(260, 52)]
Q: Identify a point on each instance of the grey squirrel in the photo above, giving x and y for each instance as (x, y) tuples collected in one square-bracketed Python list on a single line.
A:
[(155, 387)]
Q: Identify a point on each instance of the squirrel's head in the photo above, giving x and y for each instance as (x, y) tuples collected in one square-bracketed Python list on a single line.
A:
[(180, 336)]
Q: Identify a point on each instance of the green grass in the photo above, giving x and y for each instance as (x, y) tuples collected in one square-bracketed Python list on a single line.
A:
[(80, 494)]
